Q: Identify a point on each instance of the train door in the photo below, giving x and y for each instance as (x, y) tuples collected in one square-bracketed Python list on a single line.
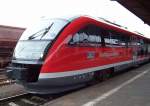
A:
[(108, 51), (134, 50), (148, 50), (116, 46), (86, 42)]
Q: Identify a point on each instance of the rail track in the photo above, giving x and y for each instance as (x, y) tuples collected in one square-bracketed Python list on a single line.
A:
[(4, 82), (4, 79), (27, 99)]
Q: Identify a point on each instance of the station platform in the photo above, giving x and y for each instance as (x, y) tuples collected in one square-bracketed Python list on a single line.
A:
[(131, 88)]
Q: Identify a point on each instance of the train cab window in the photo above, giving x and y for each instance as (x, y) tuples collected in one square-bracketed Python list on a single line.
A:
[(88, 36)]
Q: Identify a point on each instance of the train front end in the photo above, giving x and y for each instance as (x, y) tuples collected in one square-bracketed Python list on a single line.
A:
[(30, 53)]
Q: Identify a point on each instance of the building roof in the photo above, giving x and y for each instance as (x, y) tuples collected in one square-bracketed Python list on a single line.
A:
[(141, 8), (9, 33)]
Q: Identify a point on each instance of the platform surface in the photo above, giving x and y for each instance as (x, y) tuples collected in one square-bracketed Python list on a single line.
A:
[(131, 88)]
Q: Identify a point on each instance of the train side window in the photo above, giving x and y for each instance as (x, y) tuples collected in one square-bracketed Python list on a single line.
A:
[(146, 47), (88, 36), (107, 40), (143, 47), (114, 39), (138, 44)]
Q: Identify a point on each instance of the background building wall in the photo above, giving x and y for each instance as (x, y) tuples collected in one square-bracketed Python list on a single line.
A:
[(8, 39)]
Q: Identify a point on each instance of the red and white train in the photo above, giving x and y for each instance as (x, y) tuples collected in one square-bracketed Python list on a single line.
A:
[(57, 55)]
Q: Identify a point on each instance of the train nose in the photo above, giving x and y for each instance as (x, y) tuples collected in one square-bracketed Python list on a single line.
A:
[(17, 73), (23, 72)]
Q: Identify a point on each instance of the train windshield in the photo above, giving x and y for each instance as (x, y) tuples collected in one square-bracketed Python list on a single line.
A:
[(36, 40), (30, 50), (46, 29)]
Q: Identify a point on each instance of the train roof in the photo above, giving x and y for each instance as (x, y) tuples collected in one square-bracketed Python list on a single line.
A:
[(109, 23)]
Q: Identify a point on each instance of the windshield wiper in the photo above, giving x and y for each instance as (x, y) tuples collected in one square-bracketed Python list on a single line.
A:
[(45, 31)]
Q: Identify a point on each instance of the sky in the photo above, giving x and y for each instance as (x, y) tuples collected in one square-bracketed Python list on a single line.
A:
[(23, 13)]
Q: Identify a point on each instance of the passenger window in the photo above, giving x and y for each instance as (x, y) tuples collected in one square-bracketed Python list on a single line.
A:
[(107, 39), (113, 39), (88, 36), (142, 47)]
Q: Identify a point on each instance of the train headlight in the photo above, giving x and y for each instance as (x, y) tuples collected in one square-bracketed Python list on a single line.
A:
[(41, 55)]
